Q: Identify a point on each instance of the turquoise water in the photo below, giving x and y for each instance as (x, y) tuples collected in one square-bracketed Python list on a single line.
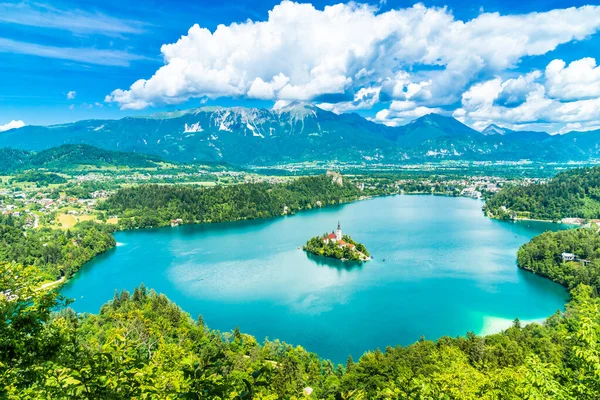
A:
[(440, 268)]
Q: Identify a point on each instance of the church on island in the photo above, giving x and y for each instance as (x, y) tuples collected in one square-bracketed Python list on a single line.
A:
[(336, 245), (336, 237)]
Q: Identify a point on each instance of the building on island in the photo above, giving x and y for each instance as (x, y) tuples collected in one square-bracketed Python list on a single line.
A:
[(336, 245), (341, 243), (330, 238), (573, 257), (336, 237)]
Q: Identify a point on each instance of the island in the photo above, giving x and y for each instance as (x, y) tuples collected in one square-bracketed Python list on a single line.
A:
[(336, 245)]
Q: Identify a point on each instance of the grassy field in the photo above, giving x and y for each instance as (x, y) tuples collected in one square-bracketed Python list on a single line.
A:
[(67, 221), (208, 184)]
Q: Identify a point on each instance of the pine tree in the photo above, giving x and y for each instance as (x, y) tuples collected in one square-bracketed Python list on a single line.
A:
[(349, 363)]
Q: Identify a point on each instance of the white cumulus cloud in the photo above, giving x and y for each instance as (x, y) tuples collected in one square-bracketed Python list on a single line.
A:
[(14, 124), (536, 100), (266, 90), (417, 54), (403, 111), (579, 80), (364, 99), (71, 95)]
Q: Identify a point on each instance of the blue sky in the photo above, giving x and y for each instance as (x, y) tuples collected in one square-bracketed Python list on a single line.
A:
[(524, 65)]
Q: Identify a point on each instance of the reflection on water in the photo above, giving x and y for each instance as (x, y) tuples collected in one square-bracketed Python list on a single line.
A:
[(440, 268), (334, 262)]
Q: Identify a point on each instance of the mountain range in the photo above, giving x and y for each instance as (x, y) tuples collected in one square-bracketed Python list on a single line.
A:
[(302, 132)]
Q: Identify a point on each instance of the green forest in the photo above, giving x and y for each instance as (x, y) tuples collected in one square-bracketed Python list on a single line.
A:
[(41, 178), (542, 255), (13, 160), (156, 205), (72, 156), (316, 246), (571, 194), (55, 253)]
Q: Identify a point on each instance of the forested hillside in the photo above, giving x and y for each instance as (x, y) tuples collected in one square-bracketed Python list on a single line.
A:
[(41, 178), (155, 205), (54, 252), (72, 156), (13, 160), (571, 194), (542, 255)]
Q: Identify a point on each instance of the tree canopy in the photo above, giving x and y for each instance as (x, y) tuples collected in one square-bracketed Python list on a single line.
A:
[(543, 255), (156, 205), (570, 194), (55, 252)]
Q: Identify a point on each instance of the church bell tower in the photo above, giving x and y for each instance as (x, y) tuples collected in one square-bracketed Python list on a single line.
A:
[(338, 233)]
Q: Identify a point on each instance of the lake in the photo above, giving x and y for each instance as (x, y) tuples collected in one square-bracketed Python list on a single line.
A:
[(439, 268)]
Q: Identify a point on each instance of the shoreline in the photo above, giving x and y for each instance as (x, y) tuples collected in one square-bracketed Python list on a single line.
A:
[(564, 221), (51, 284), (536, 220), (361, 198), (335, 258), (493, 325)]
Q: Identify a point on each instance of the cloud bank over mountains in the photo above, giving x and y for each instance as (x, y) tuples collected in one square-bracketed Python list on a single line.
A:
[(561, 96), (408, 61), (14, 124)]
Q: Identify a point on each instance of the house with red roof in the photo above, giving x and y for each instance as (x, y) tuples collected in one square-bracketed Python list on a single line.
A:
[(329, 238)]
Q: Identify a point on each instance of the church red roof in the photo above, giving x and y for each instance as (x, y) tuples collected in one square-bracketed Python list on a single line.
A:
[(331, 236)]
